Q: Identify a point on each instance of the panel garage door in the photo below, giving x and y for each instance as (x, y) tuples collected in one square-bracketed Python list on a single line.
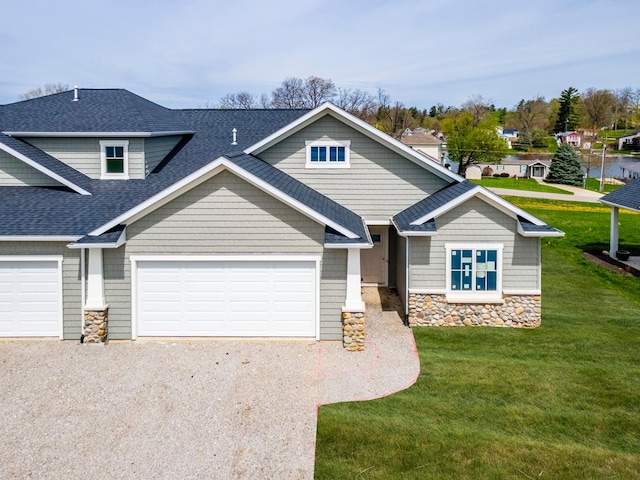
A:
[(30, 299), (226, 298)]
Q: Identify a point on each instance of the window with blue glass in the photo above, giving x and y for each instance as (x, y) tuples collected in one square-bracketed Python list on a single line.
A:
[(335, 154), (474, 270), (331, 153)]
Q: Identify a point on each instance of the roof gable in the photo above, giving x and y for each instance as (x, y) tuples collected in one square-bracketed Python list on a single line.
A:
[(329, 109), (50, 166), (419, 218)]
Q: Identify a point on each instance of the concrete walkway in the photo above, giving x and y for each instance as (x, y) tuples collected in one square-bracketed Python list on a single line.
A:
[(578, 194), (181, 408)]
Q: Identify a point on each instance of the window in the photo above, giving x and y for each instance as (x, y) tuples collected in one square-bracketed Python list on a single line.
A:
[(328, 154), (115, 159), (474, 271), (500, 167)]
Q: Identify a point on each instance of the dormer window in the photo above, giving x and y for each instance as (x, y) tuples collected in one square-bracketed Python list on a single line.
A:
[(114, 159), (328, 154)]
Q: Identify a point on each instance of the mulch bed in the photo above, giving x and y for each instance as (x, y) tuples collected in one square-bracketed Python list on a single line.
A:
[(604, 260)]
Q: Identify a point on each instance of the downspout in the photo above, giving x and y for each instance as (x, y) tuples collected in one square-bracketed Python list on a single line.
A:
[(406, 282), (82, 293)]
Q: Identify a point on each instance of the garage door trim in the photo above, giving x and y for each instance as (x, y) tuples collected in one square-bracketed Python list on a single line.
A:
[(45, 258), (134, 259)]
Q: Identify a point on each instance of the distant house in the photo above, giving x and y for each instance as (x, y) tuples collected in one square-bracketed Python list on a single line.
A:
[(507, 135), (630, 141), (424, 142), (572, 138), (518, 168)]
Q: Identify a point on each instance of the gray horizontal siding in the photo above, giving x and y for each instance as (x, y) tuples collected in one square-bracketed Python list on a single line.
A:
[(224, 215), (71, 292), (379, 183), (16, 172), (156, 149), (473, 222), (333, 291), (83, 154)]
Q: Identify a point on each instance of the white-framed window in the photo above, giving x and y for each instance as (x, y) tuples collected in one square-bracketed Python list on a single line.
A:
[(328, 154), (499, 167), (114, 159), (474, 271)]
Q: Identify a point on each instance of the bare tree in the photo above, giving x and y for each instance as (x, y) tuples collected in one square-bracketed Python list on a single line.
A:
[(317, 91), (288, 95), (241, 101), (479, 107), (48, 89), (597, 108), (530, 116), (624, 99), (357, 102)]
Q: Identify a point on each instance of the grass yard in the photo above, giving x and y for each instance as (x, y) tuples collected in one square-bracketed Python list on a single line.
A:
[(558, 402), (594, 185), (519, 184)]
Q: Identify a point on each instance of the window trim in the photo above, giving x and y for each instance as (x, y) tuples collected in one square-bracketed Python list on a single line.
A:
[(103, 159), (328, 143), (473, 296)]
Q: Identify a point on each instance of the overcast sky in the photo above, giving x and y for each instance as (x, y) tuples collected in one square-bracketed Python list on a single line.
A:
[(189, 53)]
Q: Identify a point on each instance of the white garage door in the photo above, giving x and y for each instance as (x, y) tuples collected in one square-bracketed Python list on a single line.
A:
[(30, 298), (226, 298)]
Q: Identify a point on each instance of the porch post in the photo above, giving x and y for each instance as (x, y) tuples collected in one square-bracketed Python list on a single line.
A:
[(95, 310), (353, 302), (353, 312), (613, 234)]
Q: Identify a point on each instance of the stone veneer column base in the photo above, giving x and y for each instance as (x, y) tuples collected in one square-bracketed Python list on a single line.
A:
[(96, 323), (520, 311), (353, 331)]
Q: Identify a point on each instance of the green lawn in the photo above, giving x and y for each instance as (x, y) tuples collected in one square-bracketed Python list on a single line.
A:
[(594, 184), (558, 402), (518, 184)]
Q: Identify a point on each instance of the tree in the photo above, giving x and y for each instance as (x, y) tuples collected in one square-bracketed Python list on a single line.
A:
[(568, 112), (531, 116), (48, 89), (597, 108), (565, 167), (622, 109), (479, 107), (357, 102), (240, 100), (469, 142), (298, 93)]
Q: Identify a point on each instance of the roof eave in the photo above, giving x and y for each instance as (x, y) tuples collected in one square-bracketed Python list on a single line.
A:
[(18, 134)]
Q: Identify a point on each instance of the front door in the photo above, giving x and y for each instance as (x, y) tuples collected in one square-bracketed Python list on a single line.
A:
[(373, 261)]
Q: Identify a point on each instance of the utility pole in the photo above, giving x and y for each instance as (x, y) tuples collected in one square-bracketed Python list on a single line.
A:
[(604, 148)]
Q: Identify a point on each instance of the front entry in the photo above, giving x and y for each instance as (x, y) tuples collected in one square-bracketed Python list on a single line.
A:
[(373, 261)]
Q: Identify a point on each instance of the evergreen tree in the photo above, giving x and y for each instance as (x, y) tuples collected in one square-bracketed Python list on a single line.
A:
[(565, 167), (568, 115)]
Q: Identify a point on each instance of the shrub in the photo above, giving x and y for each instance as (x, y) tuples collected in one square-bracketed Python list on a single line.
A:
[(487, 171), (504, 175)]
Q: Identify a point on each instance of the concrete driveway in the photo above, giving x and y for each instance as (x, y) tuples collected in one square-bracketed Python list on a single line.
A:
[(185, 409)]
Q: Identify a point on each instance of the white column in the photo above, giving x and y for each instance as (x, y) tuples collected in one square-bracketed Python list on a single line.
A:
[(613, 234), (95, 280), (353, 302)]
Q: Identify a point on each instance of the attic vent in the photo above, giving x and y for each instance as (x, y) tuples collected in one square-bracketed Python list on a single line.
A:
[(75, 93), (234, 132)]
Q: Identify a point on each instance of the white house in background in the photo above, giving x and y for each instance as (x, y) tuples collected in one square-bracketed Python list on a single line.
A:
[(527, 168), (423, 141)]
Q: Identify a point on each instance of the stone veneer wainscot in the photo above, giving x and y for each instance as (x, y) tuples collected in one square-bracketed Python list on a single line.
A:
[(96, 323), (353, 329), (520, 311)]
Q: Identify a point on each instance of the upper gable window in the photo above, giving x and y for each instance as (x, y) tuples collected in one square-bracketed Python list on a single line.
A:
[(114, 159), (328, 154)]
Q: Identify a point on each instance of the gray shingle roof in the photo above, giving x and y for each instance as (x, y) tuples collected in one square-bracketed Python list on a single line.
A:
[(97, 110), (48, 162), (627, 196), (36, 211), (423, 208), (531, 227)]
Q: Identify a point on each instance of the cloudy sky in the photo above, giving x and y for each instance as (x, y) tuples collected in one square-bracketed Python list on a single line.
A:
[(189, 53)]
